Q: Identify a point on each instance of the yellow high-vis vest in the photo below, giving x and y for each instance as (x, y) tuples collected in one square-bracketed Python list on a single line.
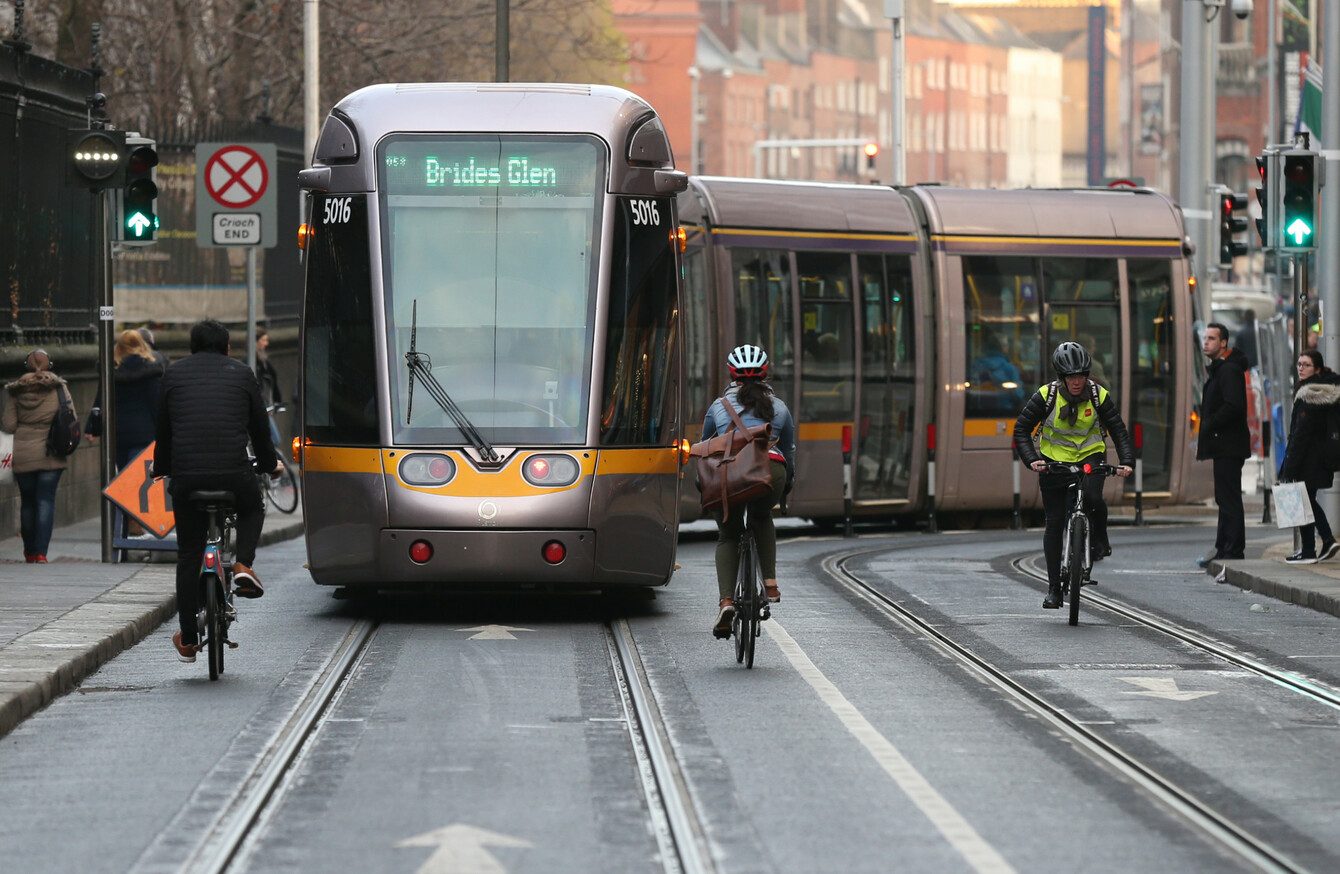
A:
[(1066, 443)]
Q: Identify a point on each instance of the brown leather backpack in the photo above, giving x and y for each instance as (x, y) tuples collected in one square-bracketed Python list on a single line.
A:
[(733, 467)]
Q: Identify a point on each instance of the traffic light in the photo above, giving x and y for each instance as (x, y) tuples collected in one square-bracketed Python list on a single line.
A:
[(94, 158), (1298, 195), (1229, 225), (871, 151), (1267, 196), (138, 213)]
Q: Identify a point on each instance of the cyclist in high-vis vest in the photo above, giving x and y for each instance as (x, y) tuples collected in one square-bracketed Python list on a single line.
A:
[(1073, 412)]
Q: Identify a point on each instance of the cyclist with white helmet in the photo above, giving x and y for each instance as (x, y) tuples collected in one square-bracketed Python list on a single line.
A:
[(1074, 411), (751, 396)]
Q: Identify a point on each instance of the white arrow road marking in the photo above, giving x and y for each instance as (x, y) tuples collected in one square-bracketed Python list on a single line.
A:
[(980, 855), (1162, 687), (493, 632), (460, 850)]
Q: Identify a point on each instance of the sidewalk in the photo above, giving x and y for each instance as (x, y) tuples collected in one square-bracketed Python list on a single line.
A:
[(61, 621)]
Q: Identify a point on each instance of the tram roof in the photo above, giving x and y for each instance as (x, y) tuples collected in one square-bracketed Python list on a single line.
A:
[(1099, 213), (799, 206), (496, 107)]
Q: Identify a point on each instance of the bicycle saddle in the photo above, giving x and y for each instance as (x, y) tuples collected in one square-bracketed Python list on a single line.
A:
[(211, 497)]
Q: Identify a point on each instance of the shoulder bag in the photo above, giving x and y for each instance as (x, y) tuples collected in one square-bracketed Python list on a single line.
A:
[(733, 467), (65, 432)]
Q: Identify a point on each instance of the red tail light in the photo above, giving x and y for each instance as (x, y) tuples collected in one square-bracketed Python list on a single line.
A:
[(554, 552), (420, 551)]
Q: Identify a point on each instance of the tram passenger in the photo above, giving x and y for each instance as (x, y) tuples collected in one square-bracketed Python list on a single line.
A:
[(209, 405), (1074, 412), (753, 399)]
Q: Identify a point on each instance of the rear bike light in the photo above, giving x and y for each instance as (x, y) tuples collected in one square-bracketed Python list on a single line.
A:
[(554, 552), (420, 551), (1088, 468), (551, 471), (211, 559)]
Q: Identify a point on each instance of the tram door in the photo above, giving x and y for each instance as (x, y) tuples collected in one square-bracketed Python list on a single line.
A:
[(884, 422)]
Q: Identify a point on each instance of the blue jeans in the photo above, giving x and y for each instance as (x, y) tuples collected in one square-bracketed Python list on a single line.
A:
[(37, 511)]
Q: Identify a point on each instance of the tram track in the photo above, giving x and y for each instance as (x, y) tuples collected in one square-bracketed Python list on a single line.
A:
[(679, 830), (1215, 827), (237, 821), (1093, 599)]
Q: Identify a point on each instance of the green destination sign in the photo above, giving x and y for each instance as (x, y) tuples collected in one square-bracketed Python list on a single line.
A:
[(473, 171)]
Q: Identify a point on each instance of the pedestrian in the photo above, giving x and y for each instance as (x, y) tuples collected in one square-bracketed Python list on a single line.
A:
[(1318, 389), (148, 335), (269, 380), (209, 408), (1224, 439), (33, 401), (136, 377)]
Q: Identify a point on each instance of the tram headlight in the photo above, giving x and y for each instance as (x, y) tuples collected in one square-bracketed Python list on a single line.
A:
[(427, 469), (551, 471)]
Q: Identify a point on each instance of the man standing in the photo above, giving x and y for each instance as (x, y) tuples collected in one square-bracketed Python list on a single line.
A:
[(209, 407), (1224, 438)]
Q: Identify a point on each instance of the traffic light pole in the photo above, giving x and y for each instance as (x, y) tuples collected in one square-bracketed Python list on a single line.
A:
[(106, 324)]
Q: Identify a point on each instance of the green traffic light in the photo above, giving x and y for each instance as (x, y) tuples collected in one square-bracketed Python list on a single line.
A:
[(139, 224), (1300, 231)]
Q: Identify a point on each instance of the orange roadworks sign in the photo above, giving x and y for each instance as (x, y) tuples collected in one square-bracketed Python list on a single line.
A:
[(142, 497)]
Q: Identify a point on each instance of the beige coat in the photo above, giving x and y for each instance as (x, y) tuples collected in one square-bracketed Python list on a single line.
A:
[(30, 405)]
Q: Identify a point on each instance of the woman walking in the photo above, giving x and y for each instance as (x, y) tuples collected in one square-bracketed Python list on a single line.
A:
[(1318, 388), (33, 401)]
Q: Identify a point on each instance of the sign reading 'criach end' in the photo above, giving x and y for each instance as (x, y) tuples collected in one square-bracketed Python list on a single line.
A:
[(235, 195)]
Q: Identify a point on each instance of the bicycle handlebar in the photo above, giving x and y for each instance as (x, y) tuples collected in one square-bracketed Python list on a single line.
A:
[(1088, 468)]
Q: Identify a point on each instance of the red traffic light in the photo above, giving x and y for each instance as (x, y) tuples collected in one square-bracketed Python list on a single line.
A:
[(1298, 169)]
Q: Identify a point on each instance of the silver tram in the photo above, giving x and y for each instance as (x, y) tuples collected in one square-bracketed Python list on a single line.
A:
[(919, 319), (490, 339)]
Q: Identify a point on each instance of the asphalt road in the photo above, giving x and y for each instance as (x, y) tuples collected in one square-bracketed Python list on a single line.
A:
[(494, 734)]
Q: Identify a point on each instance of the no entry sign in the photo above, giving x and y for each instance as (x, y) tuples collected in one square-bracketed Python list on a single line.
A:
[(235, 195)]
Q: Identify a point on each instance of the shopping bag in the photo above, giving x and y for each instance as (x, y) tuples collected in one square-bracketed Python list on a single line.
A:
[(1292, 508), (6, 458)]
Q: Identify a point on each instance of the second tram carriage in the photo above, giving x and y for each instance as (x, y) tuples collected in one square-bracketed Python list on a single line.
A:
[(489, 346), (921, 318)]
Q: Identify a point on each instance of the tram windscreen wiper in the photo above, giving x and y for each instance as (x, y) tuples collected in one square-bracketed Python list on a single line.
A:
[(421, 365)]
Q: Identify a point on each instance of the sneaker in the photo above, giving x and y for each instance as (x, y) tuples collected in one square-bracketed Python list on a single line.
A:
[(724, 619), (39, 559), (770, 589), (1300, 558), (1329, 550), (185, 651), (245, 583)]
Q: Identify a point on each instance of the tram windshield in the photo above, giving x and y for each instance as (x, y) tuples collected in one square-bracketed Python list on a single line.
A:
[(489, 258)]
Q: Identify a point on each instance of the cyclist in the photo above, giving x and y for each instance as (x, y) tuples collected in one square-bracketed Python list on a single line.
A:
[(752, 398), (209, 406), (1074, 411)]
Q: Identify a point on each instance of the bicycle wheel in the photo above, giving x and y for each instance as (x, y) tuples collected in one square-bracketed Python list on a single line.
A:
[(755, 587), (739, 625), (1078, 532), (214, 625), (283, 491)]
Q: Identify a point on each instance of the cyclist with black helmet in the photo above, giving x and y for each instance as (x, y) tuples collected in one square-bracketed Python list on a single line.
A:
[(1074, 411), (751, 396)]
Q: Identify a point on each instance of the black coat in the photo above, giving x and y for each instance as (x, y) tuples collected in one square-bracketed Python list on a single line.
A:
[(1223, 410), (1037, 409), (137, 383), (208, 408), (1307, 431)]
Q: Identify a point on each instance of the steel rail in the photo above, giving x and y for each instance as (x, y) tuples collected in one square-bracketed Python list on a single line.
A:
[(231, 827), (1200, 816), (1303, 686), (685, 844)]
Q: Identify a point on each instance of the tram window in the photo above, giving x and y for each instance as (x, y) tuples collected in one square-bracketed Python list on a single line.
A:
[(1068, 280), (763, 308), (339, 354), (1153, 371), (638, 396), (698, 336), (490, 270), (826, 336), (1002, 337)]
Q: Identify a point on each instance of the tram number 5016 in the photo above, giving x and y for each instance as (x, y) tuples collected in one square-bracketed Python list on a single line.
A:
[(645, 212), (337, 210)]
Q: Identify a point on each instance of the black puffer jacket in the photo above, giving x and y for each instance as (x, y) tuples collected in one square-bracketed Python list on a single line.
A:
[(209, 406), (1307, 431), (1223, 410)]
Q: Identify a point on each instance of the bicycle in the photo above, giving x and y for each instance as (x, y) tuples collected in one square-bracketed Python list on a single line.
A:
[(1076, 559), (281, 491), (751, 601), (216, 612)]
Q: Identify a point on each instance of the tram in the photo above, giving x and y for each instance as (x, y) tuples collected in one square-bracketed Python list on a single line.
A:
[(490, 339), (917, 320)]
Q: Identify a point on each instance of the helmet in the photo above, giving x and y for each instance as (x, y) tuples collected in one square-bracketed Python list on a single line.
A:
[(747, 361), (1071, 359)]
